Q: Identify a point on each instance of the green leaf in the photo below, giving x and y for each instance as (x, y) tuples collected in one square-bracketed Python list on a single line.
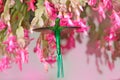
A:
[(20, 36), (20, 32), (37, 20), (39, 12), (63, 1), (39, 3), (40, 23)]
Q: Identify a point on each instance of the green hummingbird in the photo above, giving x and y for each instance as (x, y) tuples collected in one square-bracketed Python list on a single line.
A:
[(57, 30)]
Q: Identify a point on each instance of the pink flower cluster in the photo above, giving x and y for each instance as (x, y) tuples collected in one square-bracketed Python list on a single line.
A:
[(11, 44), (51, 10), (92, 2), (13, 47), (51, 58), (70, 16), (106, 3), (21, 57), (70, 42), (102, 7), (111, 35), (115, 21), (66, 19)]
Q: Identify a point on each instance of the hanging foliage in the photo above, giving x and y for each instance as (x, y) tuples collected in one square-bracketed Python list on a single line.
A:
[(57, 21)]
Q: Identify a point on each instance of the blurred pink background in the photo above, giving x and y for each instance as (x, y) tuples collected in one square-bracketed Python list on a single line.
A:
[(75, 67)]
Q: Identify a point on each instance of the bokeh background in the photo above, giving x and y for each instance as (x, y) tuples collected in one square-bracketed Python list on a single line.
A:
[(75, 63)]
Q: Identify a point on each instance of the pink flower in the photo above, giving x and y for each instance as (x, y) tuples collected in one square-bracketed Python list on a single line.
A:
[(18, 61), (51, 60), (115, 19), (2, 25), (31, 5), (107, 4), (39, 52), (27, 37), (72, 23), (92, 2), (50, 38), (4, 63), (82, 24), (23, 53), (101, 12), (11, 43), (21, 57), (26, 34), (110, 65), (68, 15), (51, 10), (66, 22), (70, 42), (111, 35), (1, 1), (1, 6)]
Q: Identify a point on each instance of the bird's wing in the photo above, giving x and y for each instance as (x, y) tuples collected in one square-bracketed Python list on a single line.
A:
[(43, 29)]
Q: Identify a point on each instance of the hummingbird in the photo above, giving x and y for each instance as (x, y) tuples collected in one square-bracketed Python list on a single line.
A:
[(57, 31)]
